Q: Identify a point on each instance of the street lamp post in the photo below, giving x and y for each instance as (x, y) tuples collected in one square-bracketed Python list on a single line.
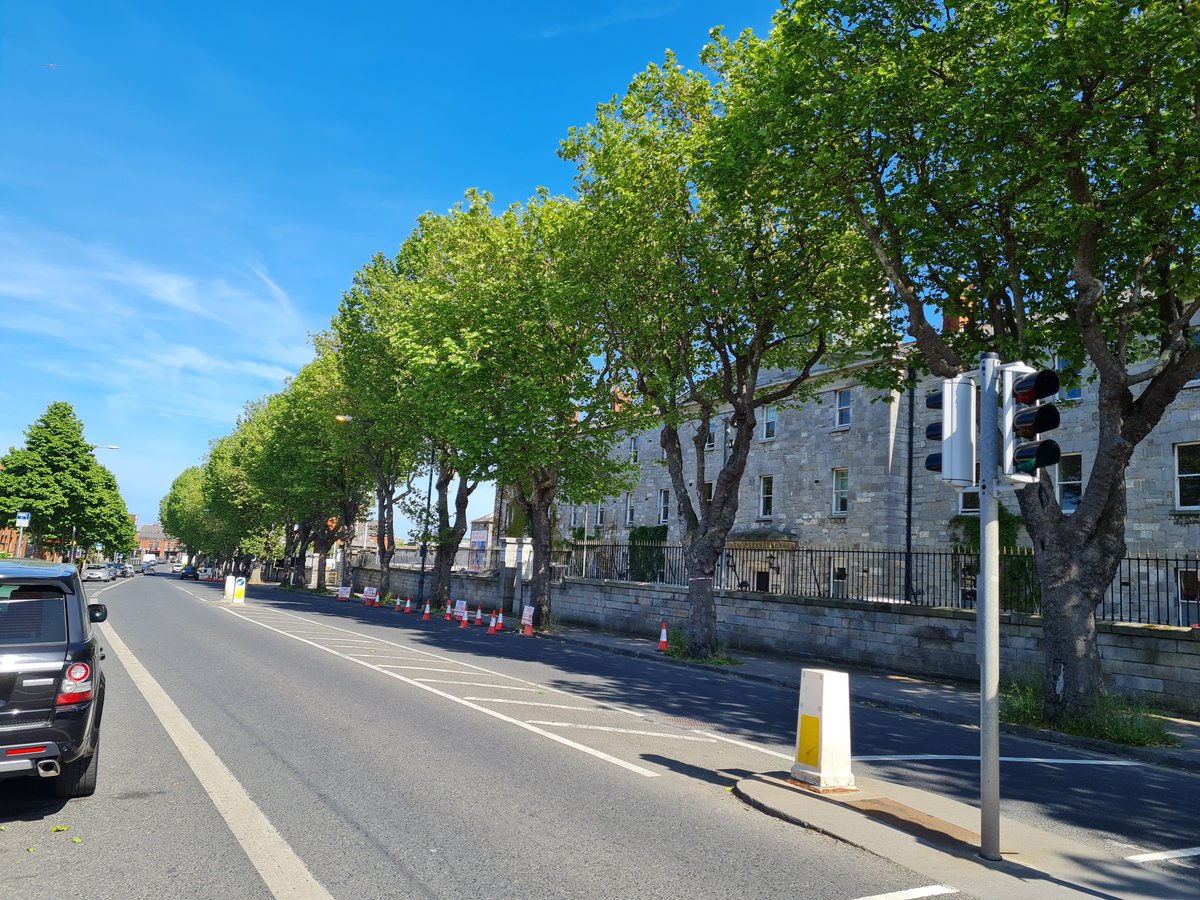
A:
[(425, 533)]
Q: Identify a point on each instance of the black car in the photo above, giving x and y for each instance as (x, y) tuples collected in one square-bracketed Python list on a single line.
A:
[(51, 683), (190, 572)]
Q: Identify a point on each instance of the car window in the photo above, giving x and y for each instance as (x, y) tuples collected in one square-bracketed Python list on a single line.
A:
[(32, 615)]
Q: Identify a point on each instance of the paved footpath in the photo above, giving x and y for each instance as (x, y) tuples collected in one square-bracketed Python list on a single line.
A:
[(924, 831)]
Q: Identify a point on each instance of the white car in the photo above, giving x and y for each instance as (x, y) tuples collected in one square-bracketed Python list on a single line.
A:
[(97, 572), (176, 568)]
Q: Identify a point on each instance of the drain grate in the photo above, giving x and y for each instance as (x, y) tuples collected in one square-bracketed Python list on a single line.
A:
[(682, 722)]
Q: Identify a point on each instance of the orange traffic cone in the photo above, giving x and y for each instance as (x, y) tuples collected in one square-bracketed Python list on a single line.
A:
[(466, 620), (449, 611), (425, 618), (407, 604), (479, 615), (492, 626), (528, 632), (662, 638), (500, 621)]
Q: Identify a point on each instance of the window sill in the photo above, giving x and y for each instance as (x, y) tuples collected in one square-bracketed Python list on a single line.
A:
[(837, 429), (767, 440), (838, 515)]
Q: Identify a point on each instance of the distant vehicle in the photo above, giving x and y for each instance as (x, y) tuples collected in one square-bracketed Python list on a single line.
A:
[(189, 572), (148, 569), (176, 568), (123, 570), (96, 572), (112, 569), (149, 558), (51, 683)]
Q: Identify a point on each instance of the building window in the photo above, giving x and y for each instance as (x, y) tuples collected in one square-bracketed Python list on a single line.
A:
[(766, 496), (635, 444), (1068, 372), (768, 431), (600, 515), (629, 509), (841, 491), (1187, 476), (574, 516), (664, 506), (708, 492), (710, 439), (1070, 481), (841, 415)]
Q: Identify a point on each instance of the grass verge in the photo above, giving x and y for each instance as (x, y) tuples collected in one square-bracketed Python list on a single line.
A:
[(677, 649), (1120, 720)]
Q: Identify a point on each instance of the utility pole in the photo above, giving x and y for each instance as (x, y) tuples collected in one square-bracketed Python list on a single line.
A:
[(988, 611)]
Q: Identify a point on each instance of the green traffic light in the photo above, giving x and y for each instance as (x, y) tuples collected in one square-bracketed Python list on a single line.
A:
[(1028, 458)]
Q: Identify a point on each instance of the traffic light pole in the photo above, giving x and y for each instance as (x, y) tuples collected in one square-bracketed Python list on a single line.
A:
[(988, 610)]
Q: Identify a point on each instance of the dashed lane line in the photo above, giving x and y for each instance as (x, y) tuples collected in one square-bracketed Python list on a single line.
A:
[(283, 872), (583, 748)]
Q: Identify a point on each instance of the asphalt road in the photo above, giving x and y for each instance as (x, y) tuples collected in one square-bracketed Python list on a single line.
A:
[(326, 749), (401, 759)]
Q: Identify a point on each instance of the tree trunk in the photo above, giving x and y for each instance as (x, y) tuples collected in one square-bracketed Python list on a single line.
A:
[(702, 609), (385, 540), (304, 536), (1074, 569), (449, 534), (535, 501)]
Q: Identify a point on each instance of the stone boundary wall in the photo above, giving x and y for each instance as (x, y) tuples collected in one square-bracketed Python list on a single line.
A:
[(1155, 663)]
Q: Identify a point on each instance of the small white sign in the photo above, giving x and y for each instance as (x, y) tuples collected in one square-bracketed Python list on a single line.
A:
[(527, 615), (460, 609), (369, 594), (344, 592), (22, 520)]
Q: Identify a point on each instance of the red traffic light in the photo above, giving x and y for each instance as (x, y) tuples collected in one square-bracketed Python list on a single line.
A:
[(1035, 386)]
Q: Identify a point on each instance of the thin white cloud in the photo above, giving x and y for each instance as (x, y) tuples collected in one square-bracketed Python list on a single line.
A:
[(621, 14)]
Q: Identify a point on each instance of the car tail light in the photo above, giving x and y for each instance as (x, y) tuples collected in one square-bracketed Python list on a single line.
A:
[(76, 685), (24, 751)]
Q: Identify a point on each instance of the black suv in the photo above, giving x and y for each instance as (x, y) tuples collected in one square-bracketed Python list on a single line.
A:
[(51, 684)]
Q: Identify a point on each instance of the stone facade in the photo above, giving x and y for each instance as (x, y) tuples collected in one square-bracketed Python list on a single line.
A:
[(853, 431)]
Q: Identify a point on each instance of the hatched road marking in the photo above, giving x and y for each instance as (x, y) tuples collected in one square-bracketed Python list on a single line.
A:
[(1163, 854), (934, 890), (662, 734), (559, 739)]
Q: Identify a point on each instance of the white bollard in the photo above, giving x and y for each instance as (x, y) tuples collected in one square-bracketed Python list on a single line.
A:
[(823, 731), (228, 588)]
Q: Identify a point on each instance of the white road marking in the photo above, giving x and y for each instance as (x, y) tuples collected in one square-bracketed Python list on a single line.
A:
[(934, 890), (662, 734), (531, 703), (736, 743), (583, 748), (1164, 854), (422, 669), (425, 654), (921, 757), (498, 687), (283, 872)]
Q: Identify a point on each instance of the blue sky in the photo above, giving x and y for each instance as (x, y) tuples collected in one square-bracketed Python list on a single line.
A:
[(187, 188)]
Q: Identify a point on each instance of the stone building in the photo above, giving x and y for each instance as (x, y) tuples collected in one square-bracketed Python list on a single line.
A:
[(836, 470)]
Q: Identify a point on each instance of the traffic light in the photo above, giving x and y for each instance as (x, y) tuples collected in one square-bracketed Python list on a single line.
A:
[(954, 432), (1024, 420)]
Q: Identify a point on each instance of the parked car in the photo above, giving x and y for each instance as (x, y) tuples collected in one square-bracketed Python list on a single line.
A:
[(148, 569), (96, 572), (124, 570), (190, 572), (51, 682), (176, 568)]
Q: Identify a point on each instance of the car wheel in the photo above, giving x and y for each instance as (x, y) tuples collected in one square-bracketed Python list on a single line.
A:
[(78, 779)]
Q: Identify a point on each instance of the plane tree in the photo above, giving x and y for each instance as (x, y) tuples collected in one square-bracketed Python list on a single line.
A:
[(506, 346), (718, 292), (1033, 170)]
